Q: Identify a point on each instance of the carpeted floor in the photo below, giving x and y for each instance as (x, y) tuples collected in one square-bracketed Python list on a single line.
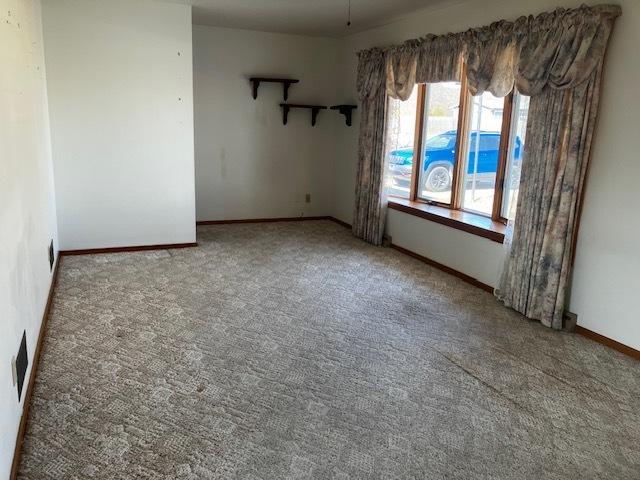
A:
[(293, 350)]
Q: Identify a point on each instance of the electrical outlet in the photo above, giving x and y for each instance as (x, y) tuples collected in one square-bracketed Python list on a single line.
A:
[(52, 256), (307, 198)]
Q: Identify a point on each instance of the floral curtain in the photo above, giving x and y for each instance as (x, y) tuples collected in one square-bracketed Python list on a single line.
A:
[(393, 72), (560, 49), (557, 59), (559, 135), (430, 59), (370, 208)]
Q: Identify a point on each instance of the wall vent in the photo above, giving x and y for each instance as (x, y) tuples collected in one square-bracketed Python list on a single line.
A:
[(22, 361), (52, 256)]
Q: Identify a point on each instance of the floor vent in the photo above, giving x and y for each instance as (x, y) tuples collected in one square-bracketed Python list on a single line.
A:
[(569, 321)]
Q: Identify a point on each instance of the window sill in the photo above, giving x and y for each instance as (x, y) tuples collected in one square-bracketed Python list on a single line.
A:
[(465, 221)]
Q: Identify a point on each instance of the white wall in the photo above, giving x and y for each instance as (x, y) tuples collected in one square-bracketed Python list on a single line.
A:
[(605, 284), (478, 257), (248, 164), (121, 102), (27, 212)]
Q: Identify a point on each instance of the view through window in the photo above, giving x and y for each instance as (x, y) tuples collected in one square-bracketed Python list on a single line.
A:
[(482, 153), (517, 138), (401, 124), (439, 134)]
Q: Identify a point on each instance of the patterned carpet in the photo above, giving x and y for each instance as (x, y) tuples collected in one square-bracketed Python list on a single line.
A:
[(293, 351)]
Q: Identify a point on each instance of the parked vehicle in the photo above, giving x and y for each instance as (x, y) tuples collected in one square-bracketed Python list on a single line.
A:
[(439, 156)]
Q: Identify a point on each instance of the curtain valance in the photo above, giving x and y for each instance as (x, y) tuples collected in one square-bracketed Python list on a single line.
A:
[(560, 49), (432, 59)]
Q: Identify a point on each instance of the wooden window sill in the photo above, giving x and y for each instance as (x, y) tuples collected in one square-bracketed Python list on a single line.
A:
[(460, 220)]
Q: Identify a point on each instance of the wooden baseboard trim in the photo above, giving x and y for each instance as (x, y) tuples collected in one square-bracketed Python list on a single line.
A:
[(340, 222), (17, 453), (462, 276), (607, 342), (139, 248), (271, 220), (260, 220), (585, 332)]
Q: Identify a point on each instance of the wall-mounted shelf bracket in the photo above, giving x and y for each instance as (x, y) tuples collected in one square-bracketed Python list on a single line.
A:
[(346, 110), (315, 109), (286, 83)]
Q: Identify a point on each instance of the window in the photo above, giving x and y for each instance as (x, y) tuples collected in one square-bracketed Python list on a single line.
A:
[(401, 124), (482, 153), (471, 148), (518, 131), (439, 131)]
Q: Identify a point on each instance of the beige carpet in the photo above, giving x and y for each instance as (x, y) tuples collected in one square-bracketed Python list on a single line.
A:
[(293, 350)]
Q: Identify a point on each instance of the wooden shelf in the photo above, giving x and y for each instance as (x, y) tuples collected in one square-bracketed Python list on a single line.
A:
[(346, 110), (314, 111), (286, 83)]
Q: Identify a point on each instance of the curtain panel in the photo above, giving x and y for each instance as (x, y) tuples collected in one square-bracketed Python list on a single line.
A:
[(556, 58), (559, 136), (393, 72), (370, 207)]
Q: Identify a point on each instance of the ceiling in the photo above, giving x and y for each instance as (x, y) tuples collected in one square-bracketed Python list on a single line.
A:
[(305, 17)]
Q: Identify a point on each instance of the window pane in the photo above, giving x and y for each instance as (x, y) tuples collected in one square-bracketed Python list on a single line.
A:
[(401, 124), (516, 150), (482, 153), (441, 108)]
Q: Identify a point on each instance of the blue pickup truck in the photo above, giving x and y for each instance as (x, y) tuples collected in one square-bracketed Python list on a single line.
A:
[(439, 156)]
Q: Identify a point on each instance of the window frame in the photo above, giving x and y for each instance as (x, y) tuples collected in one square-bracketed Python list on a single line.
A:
[(514, 120), (503, 153), (463, 130)]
